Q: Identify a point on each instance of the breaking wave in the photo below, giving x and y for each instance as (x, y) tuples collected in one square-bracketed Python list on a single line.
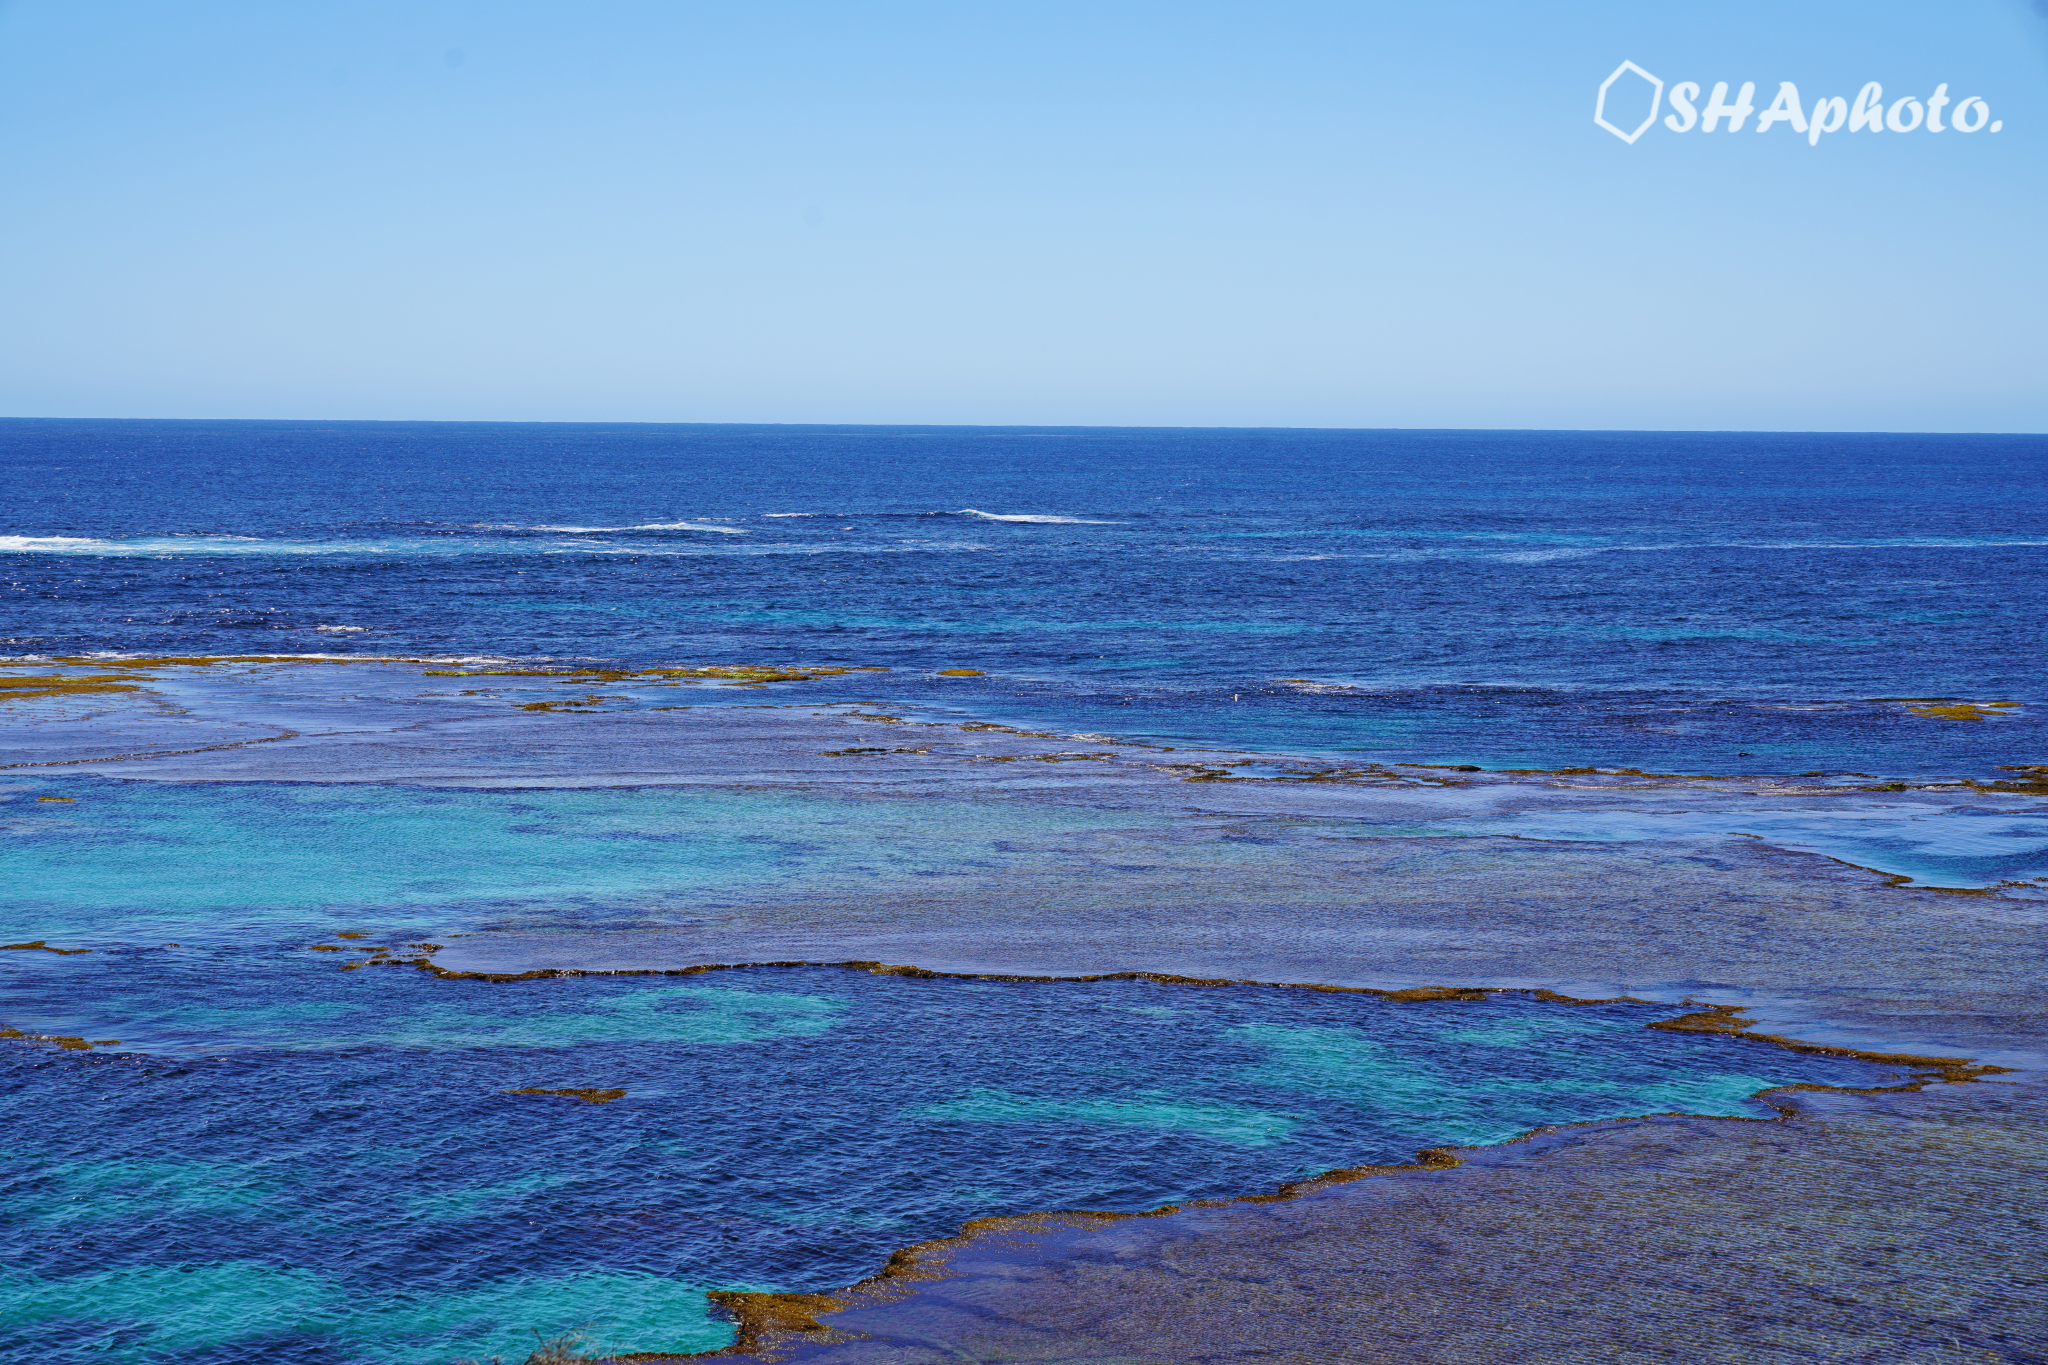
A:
[(641, 526), (1030, 517)]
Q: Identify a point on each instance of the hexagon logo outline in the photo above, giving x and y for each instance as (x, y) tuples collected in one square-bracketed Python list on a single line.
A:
[(1656, 102)]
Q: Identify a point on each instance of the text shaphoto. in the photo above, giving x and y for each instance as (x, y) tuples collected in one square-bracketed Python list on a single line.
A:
[(1631, 88)]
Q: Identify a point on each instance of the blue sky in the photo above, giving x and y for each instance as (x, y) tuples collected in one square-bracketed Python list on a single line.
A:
[(1286, 212)]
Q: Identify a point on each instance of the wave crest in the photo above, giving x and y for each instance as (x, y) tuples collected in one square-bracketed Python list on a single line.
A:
[(1030, 517), (640, 526)]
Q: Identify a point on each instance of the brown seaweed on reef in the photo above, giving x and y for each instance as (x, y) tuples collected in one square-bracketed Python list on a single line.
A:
[(40, 946), (25, 687), (1299, 771), (133, 674), (1942, 709), (738, 675), (1033, 758), (760, 1313), (1727, 1019), (586, 1094), (570, 705), (2033, 783), (67, 1041), (379, 955)]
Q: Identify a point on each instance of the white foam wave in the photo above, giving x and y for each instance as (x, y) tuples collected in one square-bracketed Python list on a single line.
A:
[(771, 548), (1313, 686), (642, 526), (792, 514), (46, 544), (157, 547), (177, 545), (1032, 518), (116, 656), (1543, 556)]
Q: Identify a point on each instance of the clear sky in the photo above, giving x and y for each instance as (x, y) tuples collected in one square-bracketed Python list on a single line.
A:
[(1267, 212)]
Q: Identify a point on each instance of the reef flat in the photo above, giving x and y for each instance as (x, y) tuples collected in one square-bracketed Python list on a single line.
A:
[(533, 903)]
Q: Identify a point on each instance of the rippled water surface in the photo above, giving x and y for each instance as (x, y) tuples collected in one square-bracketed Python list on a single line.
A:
[(1700, 602), (319, 1164)]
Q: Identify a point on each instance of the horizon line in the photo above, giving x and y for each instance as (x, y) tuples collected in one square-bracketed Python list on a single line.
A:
[(1042, 426)]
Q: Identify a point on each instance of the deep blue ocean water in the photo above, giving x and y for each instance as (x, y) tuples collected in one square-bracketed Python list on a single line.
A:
[(1697, 602), (284, 1161)]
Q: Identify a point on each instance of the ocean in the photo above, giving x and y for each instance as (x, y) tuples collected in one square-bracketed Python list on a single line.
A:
[(1700, 602), (447, 863)]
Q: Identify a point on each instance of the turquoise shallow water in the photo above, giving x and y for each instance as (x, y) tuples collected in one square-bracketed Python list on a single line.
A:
[(151, 861)]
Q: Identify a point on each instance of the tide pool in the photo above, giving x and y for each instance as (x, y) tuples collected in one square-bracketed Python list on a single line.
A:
[(318, 1165), (1956, 846)]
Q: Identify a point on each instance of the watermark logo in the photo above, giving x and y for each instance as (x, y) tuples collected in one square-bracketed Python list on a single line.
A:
[(1631, 98), (1623, 100)]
